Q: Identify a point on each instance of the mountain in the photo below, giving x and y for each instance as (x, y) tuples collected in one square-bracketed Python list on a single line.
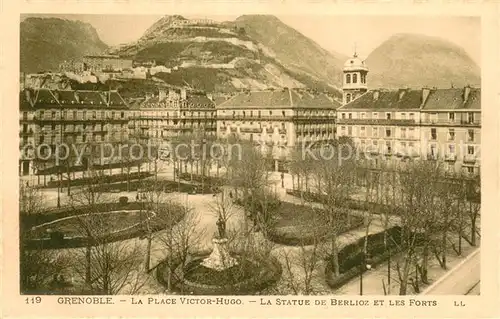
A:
[(229, 56), (293, 49), (409, 60), (47, 42)]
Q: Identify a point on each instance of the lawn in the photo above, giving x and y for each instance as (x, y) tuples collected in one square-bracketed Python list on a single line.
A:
[(304, 225)]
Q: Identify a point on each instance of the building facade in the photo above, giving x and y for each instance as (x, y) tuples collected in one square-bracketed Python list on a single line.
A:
[(171, 113), (278, 120), (50, 117), (98, 63), (394, 125)]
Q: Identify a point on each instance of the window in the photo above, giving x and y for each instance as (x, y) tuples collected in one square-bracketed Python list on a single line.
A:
[(403, 116), (451, 116), (25, 115), (388, 116), (451, 149), (354, 78), (470, 135), (123, 114), (363, 115), (388, 146), (403, 132), (375, 115), (411, 132), (433, 117), (433, 134), (470, 169), (349, 130), (375, 132), (343, 115), (53, 114), (470, 150), (387, 132), (348, 78), (258, 113), (433, 150), (348, 98), (362, 131), (25, 127), (412, 116), (84, 137), (270, 112), (53, 127), (42, 115), (451, 134), (350, 115), (470, 118)]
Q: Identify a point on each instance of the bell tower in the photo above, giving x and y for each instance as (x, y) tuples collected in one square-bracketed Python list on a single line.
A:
[(354, 79)]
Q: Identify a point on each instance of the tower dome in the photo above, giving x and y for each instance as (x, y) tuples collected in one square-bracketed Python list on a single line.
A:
[(354, 78), (354, 64)]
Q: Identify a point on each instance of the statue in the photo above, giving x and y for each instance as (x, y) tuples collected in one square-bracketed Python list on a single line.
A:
[(221, 226)]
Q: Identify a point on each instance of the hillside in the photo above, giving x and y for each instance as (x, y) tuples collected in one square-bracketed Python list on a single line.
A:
[(294, 50), (228, 56), (47, 42), (417, 60)]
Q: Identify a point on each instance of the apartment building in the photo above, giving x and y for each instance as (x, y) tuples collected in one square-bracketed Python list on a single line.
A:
[(98, 63), (451, 127), (433, 124), (170, 113), (49, 117), (383, 122), (278, 120)]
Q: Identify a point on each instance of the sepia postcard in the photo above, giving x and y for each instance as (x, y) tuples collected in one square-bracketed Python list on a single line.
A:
[(227, 159)]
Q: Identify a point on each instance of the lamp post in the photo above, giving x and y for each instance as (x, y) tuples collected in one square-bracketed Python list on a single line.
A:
[(365, 265)]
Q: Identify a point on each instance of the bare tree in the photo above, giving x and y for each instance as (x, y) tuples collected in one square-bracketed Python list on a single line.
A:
[(333, 174), (37, 266)]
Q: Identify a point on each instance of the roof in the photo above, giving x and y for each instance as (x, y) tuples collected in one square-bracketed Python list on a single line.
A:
[(453, 99), (402, 99), (285, 98), (39, 98), (199, 101), (354, 64)]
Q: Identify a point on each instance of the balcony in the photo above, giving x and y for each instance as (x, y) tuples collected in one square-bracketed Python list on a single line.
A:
[(432, 157), (470, 158), (456, 122), (250, 130), (376, 121), (26, 133), (450, 157)]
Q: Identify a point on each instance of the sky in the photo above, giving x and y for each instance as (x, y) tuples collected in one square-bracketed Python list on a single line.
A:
[(333, 32)]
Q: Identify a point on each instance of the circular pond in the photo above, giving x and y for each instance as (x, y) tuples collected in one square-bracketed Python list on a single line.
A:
[(109, 222), (98, 224)]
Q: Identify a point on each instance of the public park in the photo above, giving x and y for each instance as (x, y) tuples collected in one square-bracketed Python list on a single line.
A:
[(235, 227)]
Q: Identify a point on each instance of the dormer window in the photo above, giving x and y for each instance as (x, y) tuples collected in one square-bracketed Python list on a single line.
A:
[(348, 78), (354, 78)]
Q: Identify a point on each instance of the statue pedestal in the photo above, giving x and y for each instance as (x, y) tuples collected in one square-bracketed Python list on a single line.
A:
[(219, 259)]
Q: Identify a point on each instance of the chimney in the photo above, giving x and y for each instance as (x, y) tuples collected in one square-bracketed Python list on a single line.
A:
[(466, 93), (425, 94), (376, 94), (401, 94), (161, 94), (27, 93), (183, 94)]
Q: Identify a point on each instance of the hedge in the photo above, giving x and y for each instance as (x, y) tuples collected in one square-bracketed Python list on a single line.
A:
[(348, 203), (212, 180), (351, 256), (105, 179), (270, 273)]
